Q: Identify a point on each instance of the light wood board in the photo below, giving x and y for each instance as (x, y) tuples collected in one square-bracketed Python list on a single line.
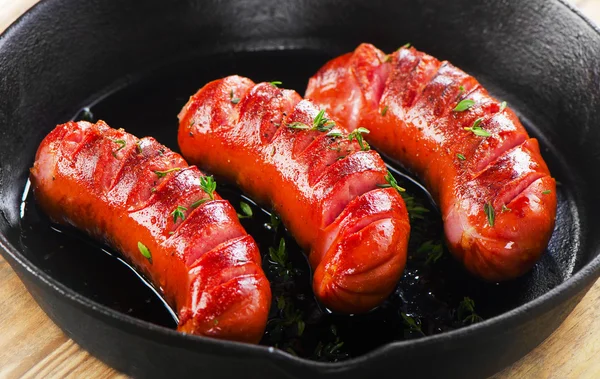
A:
[(32, 346)]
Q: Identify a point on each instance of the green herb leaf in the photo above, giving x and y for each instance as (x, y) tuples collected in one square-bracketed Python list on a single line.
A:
[(335, 134), (145, 251), (121, 142), (275, 83), (405, 46), (466, 311), (502, 106), (275, 221), (391, 182), (178, 213), (384, 110), (208, 185), (357, 135), (546, 192), (460, 156), (280, 302), (464, 105), (322, 123), (300, 325), (413, 326), (388, 58), (279, 257), (505, 208), (197, 203), (477, 130), (434, 251), (232, 98), (162, 174), (488, 209), (298, 125), (246, 210)]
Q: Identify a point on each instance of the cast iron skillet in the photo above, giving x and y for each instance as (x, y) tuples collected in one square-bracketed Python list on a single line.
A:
[(540, 55)]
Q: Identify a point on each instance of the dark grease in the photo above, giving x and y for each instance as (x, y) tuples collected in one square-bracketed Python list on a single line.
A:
[(428, 293)]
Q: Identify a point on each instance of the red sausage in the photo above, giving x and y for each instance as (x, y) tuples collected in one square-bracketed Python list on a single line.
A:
[(146, 202), (497, 197), (325, 188)]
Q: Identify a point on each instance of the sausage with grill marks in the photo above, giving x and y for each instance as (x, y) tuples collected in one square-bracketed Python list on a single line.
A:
[(325, 187), (145, 201), (497, 198)]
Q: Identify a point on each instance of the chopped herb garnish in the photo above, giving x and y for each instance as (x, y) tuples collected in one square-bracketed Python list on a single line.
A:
[(357, 134), (246, 210), (298, 125), (415, 210), (464, 105), (405, 46), (275, 220), (488, 209), (391, 182), (388, 58), (138, 147), (434, 251), (384, 110), (178, 213), (505, 208), (279, 257), (121, 142), (232, 98), (546, 192), (322, 123), (478, 130), (161, 174), (216, 322), (197, 203), (466, 311), (331, 350), (335, 134), (413, 326), (208, 185), (460, 156), (275, 83), (502, 106), (461, 89), (145, 251)]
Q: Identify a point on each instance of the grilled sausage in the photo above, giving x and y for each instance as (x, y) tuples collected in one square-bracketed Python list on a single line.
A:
[(146, 202), (497, 198), (281, 151)]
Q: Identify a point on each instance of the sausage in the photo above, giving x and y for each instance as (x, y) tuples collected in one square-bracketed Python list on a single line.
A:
[(145, 201), (496, 195), (325, 187)]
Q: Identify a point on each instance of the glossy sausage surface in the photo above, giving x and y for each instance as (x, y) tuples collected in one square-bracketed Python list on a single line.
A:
[(145, 201), (497, 197), (325, 187)]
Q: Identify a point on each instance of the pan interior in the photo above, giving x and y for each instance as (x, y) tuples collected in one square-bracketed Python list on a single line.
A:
[(429, 293)]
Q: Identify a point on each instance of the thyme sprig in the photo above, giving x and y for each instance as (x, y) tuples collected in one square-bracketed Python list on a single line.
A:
[(466, 312), (246, 210), (357, 134), (477, 129), (178, 213), (162, 174)]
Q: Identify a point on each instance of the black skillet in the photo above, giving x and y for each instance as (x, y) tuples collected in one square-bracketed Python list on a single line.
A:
[(540, 55)]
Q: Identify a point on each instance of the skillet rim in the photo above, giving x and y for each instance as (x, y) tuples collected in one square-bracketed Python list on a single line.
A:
[(530, 310)]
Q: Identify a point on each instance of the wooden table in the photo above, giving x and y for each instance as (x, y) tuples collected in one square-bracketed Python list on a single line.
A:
[(32, 346)]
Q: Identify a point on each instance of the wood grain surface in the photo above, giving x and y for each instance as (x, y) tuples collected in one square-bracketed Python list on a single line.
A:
[(32, 346)]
